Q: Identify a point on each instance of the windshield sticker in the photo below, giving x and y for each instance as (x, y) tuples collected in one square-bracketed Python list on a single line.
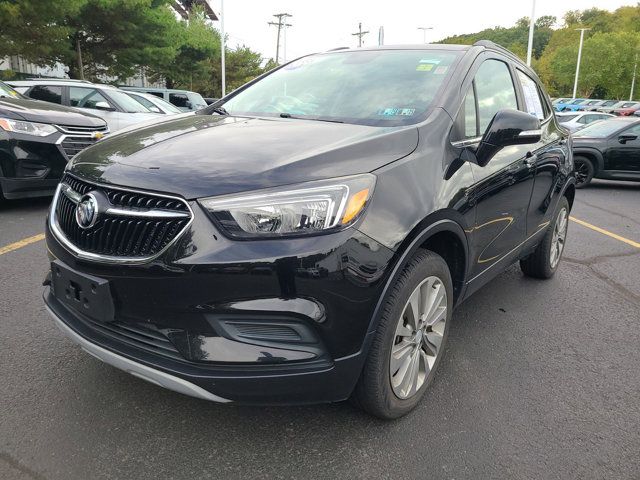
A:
[(426, 65), (441, 70), (394, 112)]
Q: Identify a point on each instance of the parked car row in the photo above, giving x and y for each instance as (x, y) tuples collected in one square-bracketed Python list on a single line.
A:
[(615, 107), (45, 122)]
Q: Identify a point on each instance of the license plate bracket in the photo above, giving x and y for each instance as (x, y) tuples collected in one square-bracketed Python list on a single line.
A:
[(86, 294)]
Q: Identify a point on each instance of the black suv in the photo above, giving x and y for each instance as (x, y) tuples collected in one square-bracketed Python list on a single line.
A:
[(306, 238), (37, 139)]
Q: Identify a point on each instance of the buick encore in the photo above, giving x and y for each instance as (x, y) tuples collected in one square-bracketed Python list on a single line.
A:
[(307, 237)]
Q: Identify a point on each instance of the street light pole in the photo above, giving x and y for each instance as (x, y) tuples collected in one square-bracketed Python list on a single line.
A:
[(532, 21), (424, 33), (633, 80), (575, 83), (222, 48)]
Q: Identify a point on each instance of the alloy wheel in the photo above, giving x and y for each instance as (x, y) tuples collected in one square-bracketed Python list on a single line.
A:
[(558, 238), (582, 172), (418, 337)]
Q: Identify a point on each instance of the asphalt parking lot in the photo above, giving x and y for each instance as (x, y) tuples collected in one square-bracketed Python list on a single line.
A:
[(540, 380)]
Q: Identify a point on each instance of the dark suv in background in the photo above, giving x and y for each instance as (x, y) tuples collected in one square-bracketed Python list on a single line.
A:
[(306, 238), (37, 139)]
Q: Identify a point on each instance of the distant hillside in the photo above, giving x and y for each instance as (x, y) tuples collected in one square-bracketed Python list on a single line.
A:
[(608, 55)]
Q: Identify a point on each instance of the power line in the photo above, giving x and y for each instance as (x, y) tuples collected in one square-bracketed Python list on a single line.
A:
[(360, 34), (282, 22)]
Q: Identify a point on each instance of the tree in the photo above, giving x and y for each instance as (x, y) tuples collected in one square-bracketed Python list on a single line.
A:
[(90, 37), (195, 43), (607, 65)]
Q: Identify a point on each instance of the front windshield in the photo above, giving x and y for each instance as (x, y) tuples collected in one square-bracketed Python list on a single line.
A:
[(609, 103), (367, 87), (600, 129), (127, 103), (7, 91)]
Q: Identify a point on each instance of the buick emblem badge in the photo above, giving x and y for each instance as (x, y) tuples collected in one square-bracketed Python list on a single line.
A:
[(87, 211)]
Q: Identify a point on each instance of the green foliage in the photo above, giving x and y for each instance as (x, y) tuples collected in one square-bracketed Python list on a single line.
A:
[(95, 39), (608, 53)]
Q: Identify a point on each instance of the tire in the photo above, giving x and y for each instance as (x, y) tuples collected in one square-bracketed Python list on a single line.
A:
[(379, 391), (542, 263), (584, 171)]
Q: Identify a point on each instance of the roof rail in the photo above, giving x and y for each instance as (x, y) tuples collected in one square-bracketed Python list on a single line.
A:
[(57, 79), (495, 46)]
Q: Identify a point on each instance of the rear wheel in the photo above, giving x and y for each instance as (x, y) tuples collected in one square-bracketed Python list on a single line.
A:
[(544, 261), (409, 340), (584, 171)]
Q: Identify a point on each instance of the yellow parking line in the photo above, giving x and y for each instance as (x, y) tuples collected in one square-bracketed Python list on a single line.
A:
[(606, 232), (21, 243)]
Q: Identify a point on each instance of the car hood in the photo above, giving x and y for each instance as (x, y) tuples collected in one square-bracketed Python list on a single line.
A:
[(45, 112), (206, 155)]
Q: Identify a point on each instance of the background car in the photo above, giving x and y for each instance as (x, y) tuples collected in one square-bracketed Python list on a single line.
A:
[(37, 140), (590, 104), (576, 120), (185, 100), (627, 109), (117, 108), (571, 104), (154, 104), (611, 108), (602, 104), (608, 150)]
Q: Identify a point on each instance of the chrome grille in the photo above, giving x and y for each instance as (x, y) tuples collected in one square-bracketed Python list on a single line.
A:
[(134, 226), (82, 129), (74, 145)]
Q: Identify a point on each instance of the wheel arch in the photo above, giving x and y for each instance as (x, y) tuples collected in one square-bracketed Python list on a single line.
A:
[(591, 154), (443, 236)]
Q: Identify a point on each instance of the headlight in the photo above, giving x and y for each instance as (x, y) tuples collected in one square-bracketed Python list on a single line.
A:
[(304, 209), (28, 128)]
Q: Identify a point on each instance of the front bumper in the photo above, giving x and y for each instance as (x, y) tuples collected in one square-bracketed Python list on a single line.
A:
[(171, 316), (30, 167)]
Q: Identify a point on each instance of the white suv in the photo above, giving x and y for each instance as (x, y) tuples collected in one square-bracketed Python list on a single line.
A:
[(117, 108)]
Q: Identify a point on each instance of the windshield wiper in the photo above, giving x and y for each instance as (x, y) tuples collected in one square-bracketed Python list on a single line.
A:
[(219, 110), (295, 117)]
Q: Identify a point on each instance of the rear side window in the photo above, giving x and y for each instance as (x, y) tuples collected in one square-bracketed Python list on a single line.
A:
[(180, 100), (47, 93), (532, 99), (157, 94), (495, 91)]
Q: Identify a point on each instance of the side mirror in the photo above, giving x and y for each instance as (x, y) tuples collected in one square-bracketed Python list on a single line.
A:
[(104, 106), (508, 127), (627, 137), (155, 109)]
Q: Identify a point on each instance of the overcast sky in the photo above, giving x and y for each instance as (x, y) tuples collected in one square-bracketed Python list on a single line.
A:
[(321, 25)]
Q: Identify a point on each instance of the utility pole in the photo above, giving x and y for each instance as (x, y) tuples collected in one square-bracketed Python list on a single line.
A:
[(532, 22), (222, 48), (360, 34), (633, 81), (424, 33), (282, 22), (575, 84)]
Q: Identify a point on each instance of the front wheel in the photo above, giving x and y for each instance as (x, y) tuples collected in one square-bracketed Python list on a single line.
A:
[(410, 338), (544, 261)]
